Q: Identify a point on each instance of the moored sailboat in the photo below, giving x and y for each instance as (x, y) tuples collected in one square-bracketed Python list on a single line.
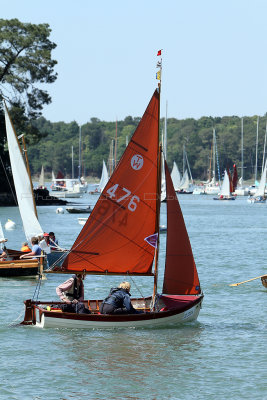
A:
[(225, 192), (121, 237)]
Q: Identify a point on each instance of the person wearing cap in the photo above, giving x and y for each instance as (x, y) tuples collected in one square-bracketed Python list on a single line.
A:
[(118, 301), (53, 241), (71, 292), (44, 243)]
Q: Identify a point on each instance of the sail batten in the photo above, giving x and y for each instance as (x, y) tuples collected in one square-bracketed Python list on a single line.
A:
[(126, 211)]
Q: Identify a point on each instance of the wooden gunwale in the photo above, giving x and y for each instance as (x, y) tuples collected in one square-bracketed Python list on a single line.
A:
[(60, 271)]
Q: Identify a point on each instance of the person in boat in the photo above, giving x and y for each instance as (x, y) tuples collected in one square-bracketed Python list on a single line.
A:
[(44, 243), (118, 301), (3, 255), (25, 247), (53, 242), (36, 249), (71, 292)]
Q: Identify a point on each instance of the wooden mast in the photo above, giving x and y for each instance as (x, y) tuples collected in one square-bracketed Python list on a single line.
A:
[(159, 74), (29, 173)]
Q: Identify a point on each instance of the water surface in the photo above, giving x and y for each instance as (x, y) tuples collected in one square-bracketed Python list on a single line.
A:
[(221, 356)]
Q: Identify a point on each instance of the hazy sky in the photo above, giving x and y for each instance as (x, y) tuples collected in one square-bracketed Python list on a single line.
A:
[(214, 56)]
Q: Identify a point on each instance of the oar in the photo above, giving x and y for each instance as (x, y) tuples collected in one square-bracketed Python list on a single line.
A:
[(249, 280)]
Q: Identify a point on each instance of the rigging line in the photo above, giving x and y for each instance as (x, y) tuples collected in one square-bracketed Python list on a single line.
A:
[(15, 199), (50, 268), (139, 290), (37, 288)]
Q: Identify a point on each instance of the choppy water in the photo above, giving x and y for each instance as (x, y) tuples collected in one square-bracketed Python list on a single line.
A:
[(221, 356)]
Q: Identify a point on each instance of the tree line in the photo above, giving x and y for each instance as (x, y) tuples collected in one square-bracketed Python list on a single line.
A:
[(54, 149)]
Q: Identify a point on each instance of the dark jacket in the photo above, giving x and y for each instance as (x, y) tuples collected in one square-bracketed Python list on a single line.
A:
[(119, 298)]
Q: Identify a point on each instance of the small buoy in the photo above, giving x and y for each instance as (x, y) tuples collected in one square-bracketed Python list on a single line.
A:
[(9, 225), (60, 210)]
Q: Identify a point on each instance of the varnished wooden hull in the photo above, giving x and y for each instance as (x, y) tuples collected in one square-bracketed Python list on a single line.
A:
[(19, 268), (264, 280), (37, 314)]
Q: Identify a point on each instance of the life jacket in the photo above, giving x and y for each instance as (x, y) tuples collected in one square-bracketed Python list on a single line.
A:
[(74, 292), (25, 249)]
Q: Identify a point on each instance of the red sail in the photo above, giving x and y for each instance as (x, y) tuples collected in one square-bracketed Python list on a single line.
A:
[(235, 178), (113, 239), (180, 270)]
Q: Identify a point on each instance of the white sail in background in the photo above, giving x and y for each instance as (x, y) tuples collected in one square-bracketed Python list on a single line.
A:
[(261, 189), (176, 176), (53, 176), (185, 183), (104, 177), (22, 182), (225, 189), (2, 237), (41, 182)]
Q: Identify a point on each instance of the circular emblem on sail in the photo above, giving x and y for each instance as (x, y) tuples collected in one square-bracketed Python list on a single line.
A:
[(137, 162)]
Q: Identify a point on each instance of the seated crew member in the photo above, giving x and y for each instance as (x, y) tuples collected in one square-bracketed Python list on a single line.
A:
[(53, 242), (25, 248), (3, 255), (36, 249), (118, 301), (71, 292)]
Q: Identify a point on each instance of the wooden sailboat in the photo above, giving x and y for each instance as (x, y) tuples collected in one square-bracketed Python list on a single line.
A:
[(13, 266), (264, 280), (121, 237), (225, 192)]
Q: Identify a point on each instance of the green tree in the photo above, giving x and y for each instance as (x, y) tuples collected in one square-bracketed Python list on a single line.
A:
[(25, 62)]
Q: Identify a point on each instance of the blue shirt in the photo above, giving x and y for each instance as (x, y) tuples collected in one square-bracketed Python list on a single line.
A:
[(36, 250)]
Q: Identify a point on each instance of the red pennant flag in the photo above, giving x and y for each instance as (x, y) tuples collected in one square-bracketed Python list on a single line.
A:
[(159, 53)]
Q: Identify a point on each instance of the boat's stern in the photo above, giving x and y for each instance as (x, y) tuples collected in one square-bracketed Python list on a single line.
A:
[(29, 317)]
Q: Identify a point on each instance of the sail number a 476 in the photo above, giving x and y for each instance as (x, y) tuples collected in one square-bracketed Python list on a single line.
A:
[(133, 199)]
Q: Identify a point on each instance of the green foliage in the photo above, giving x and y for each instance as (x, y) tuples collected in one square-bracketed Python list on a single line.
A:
[(25, 61), (54, 149)]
